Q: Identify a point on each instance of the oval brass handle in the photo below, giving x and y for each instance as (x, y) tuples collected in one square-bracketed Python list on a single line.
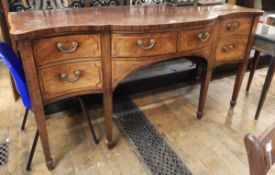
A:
[(76, 73), (233, 26), (71, 49), (152, 43), (204, 36), (228, 48)]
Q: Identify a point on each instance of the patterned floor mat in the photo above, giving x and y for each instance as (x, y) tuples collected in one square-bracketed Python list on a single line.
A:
[(4, 152), (156, 154)]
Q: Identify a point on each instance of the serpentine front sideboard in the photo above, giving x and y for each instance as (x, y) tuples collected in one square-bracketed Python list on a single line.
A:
[(81, 51)]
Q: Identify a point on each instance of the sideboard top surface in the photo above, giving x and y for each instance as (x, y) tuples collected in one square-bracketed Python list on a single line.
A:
[(117, 18)]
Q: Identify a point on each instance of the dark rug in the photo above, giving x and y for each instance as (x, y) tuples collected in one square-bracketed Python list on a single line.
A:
[(153, 150), (4, 152)]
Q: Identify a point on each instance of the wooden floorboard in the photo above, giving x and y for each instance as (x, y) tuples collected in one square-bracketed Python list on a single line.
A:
[(211, 146)]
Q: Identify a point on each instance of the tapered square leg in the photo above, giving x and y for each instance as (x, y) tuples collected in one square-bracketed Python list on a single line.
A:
[(253, 69), (266, 87), (36, 98), (243, 66), (238, 82), (207, 74), (108, 112), (107, 87)]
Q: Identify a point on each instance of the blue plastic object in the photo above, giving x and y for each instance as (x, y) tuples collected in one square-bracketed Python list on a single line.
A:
[(15, 66)]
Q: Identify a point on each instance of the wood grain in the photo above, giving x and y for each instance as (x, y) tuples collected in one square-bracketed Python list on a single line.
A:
[(107, 88), (260, 160), (130, 38), (126, 45), (52, 86), (46, 50), (242, 26), (189, 39), (224, 52), (36, 98), (243, 65), (122, 18)]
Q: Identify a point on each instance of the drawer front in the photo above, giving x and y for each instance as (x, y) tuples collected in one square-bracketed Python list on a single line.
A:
[(231, 49), (138, 45), (235, 26), (195, 39), (51, 50), (68, 78)]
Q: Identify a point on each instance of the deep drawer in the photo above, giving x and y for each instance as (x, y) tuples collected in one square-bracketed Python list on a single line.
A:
[(61, 80), (231, 49)]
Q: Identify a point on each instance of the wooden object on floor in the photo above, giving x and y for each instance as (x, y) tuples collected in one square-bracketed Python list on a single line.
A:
[(261, 151), (265, 43), (270, 20), (266, 87), (141, 31)]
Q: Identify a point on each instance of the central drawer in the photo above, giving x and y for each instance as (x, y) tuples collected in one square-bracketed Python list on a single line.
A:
[(64, 79), (56, 49), (195, 39), (139, 45)]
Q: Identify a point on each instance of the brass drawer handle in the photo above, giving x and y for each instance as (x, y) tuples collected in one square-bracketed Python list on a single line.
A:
[(72, 48), (152, 43), (233, 26), (76, 73), (228, 48), (204, 36)]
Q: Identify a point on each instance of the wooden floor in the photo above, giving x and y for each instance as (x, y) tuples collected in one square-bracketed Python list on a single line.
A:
[(211, 146)]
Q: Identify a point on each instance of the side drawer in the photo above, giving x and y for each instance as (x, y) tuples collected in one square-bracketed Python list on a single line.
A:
[(139, 45), (231, 49), (195, 39), (56, 49), (235, 26), (61, 80)]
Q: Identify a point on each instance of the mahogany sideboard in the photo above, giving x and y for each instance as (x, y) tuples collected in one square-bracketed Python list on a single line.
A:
[(72, 52)]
